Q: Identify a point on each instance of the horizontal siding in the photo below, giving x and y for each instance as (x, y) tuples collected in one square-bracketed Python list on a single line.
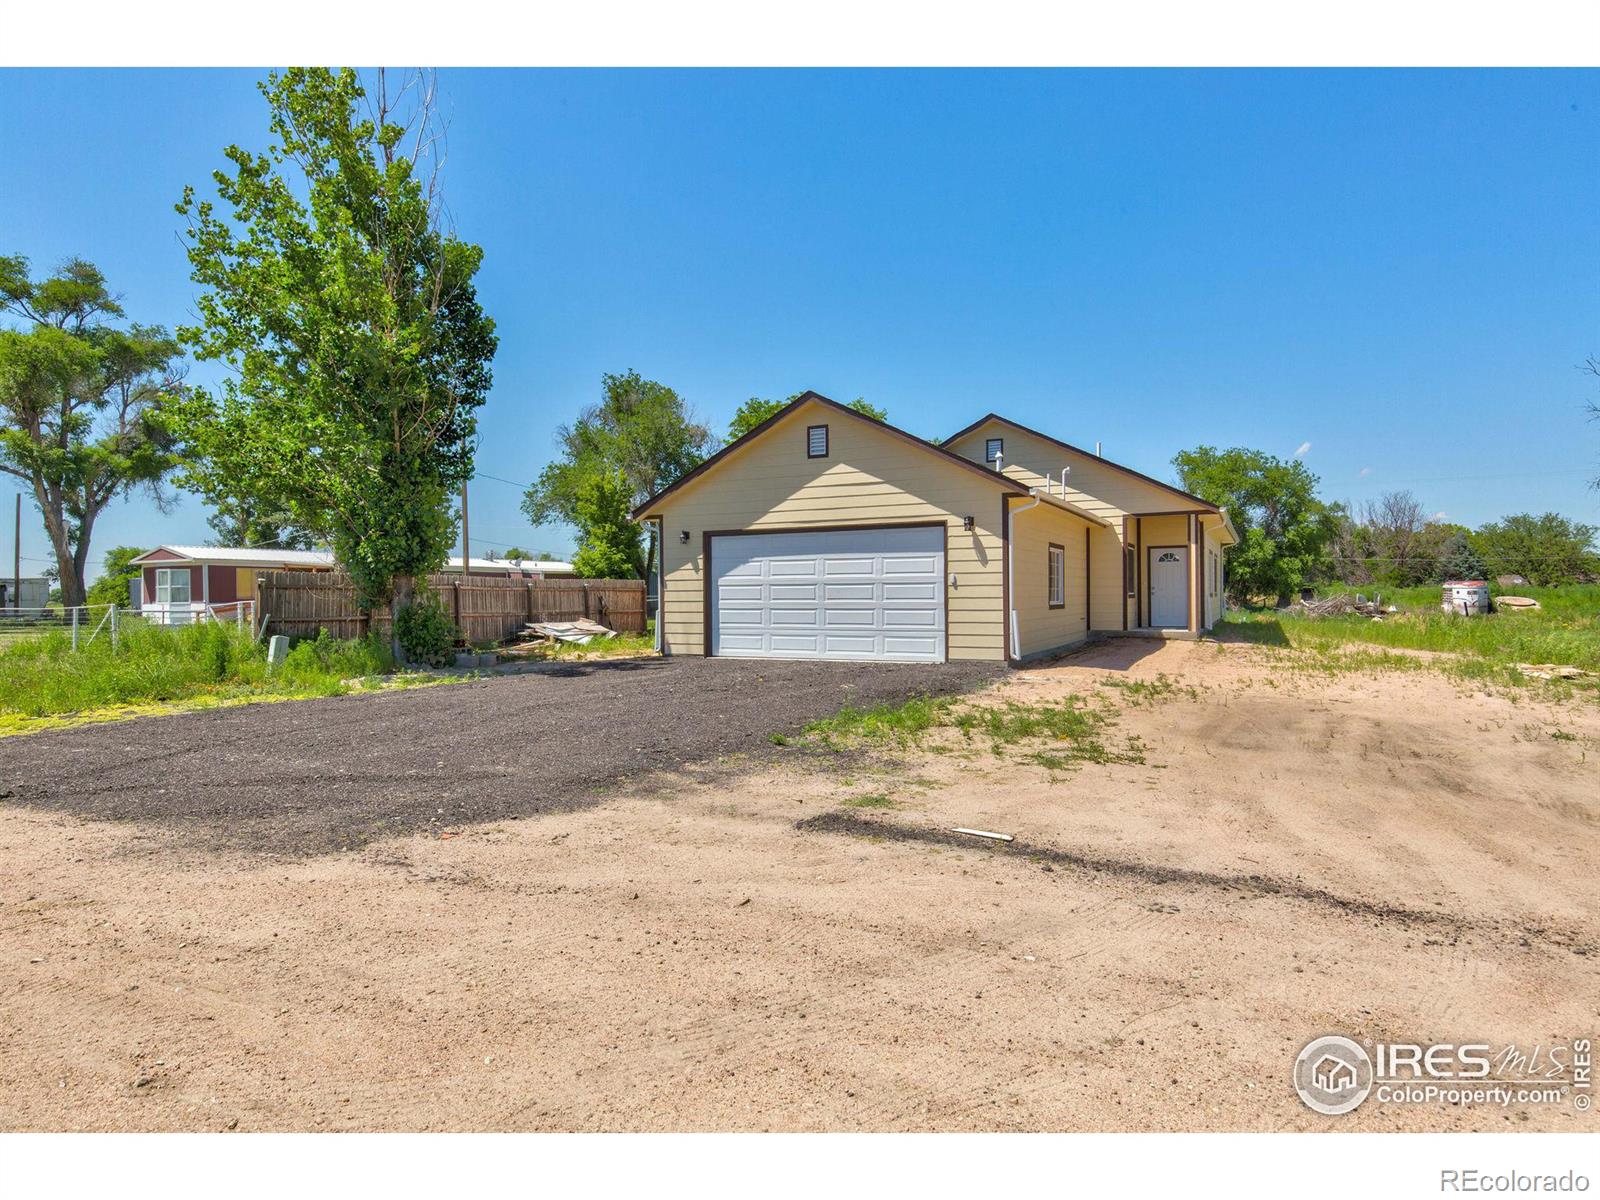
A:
[(1092, 484), (870, 476), (1040, 627)]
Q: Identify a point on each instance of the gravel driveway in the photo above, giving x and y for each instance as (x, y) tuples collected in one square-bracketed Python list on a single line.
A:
[(312, 776)]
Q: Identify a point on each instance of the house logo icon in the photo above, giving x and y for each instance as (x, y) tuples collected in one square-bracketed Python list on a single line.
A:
[(1332, 1075)]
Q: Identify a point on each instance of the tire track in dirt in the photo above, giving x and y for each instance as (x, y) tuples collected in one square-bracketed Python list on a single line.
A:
[(1265, 885)]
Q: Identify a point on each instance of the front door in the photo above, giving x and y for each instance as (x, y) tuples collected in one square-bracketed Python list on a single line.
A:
[(1169, 587)]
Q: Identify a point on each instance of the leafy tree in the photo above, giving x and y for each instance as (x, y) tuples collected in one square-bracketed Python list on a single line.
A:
[(642, 431), (517, 554), (240, 522), (756, 410), (112, 587), (79, 400), (348, 313), (1548, 550), (1284, 530), (610, 543)]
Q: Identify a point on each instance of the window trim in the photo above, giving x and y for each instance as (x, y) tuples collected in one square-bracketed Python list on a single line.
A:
[(1000, 448), (165, 577), (1130, 568), (811, 429), (1055, 556)]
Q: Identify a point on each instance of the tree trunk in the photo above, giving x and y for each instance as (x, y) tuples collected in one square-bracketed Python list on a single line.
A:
[(401, 598), (67, 565)]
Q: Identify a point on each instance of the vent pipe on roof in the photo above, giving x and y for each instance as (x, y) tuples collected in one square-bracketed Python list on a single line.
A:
[(1064, 471), (1097, 453), (999, 460)]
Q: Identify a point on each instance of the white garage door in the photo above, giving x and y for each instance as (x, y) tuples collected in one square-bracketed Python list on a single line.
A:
[(849, 594)]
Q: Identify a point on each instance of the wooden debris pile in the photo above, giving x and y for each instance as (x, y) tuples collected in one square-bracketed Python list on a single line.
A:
[(1342, 604), (581, 631)]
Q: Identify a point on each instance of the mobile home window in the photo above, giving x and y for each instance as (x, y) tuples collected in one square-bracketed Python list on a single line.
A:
[(1058, 576), (172, 585), (817, 441), (993, 449)]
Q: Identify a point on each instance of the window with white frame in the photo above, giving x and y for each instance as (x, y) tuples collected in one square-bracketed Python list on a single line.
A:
[(172, 585), (1058, 576)]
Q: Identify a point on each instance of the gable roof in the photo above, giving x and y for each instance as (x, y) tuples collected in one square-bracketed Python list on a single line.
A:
[(949, 456), (1205, 504)]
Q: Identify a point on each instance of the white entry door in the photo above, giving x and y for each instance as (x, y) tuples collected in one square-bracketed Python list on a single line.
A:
[(875, 594), (1169, 587)]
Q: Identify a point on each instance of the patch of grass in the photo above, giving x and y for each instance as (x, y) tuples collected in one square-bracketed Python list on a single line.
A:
[(154, 666), (1150, 691), (1565, 631), (904, 722), (1074, 731), (873, 800)]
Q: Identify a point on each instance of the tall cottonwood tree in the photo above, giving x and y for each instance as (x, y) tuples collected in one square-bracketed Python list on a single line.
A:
[(346, 307), (639, 438), (79, 402)]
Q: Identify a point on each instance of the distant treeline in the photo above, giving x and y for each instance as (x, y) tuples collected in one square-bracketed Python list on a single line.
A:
[(1393, 542)]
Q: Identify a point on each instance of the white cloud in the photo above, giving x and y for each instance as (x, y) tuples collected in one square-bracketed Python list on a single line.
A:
[(1301, 453), (1441, 516), (1365, 471)]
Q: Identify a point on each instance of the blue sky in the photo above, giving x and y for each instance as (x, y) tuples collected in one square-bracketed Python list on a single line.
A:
[(1401, 269)]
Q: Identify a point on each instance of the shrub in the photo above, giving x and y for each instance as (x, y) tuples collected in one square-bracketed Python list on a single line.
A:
[(324, 657), (425, 631)]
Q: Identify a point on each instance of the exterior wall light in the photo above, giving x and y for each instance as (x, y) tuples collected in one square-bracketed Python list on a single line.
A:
[(683, 536), (966, 524)]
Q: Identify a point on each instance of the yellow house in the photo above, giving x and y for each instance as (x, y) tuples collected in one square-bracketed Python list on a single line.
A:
[(825, 534)]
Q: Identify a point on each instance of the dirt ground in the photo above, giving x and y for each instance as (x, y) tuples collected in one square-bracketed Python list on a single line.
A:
[(1380, 855)]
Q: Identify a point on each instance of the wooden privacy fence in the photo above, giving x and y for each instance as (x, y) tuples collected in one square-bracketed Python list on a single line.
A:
[(487, 608)]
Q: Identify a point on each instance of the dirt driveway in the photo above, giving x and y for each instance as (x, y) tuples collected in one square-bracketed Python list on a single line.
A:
[(794, 946)]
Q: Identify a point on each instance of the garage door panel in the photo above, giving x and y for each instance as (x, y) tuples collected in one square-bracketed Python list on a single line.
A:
[(844, 594), (809, 646), (904, 647), (849, 566), (847, 618), (849, 591), (793, 591)]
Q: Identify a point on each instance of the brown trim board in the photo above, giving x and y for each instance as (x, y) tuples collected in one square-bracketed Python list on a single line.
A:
[(1005, 580)]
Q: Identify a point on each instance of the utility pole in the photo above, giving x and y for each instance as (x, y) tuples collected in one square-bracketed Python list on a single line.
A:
[(16, 560), (466, 546)]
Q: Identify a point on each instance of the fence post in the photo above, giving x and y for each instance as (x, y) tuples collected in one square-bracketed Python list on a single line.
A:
[(455, 588), (113, 629), (586, 599), (75, 612)]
